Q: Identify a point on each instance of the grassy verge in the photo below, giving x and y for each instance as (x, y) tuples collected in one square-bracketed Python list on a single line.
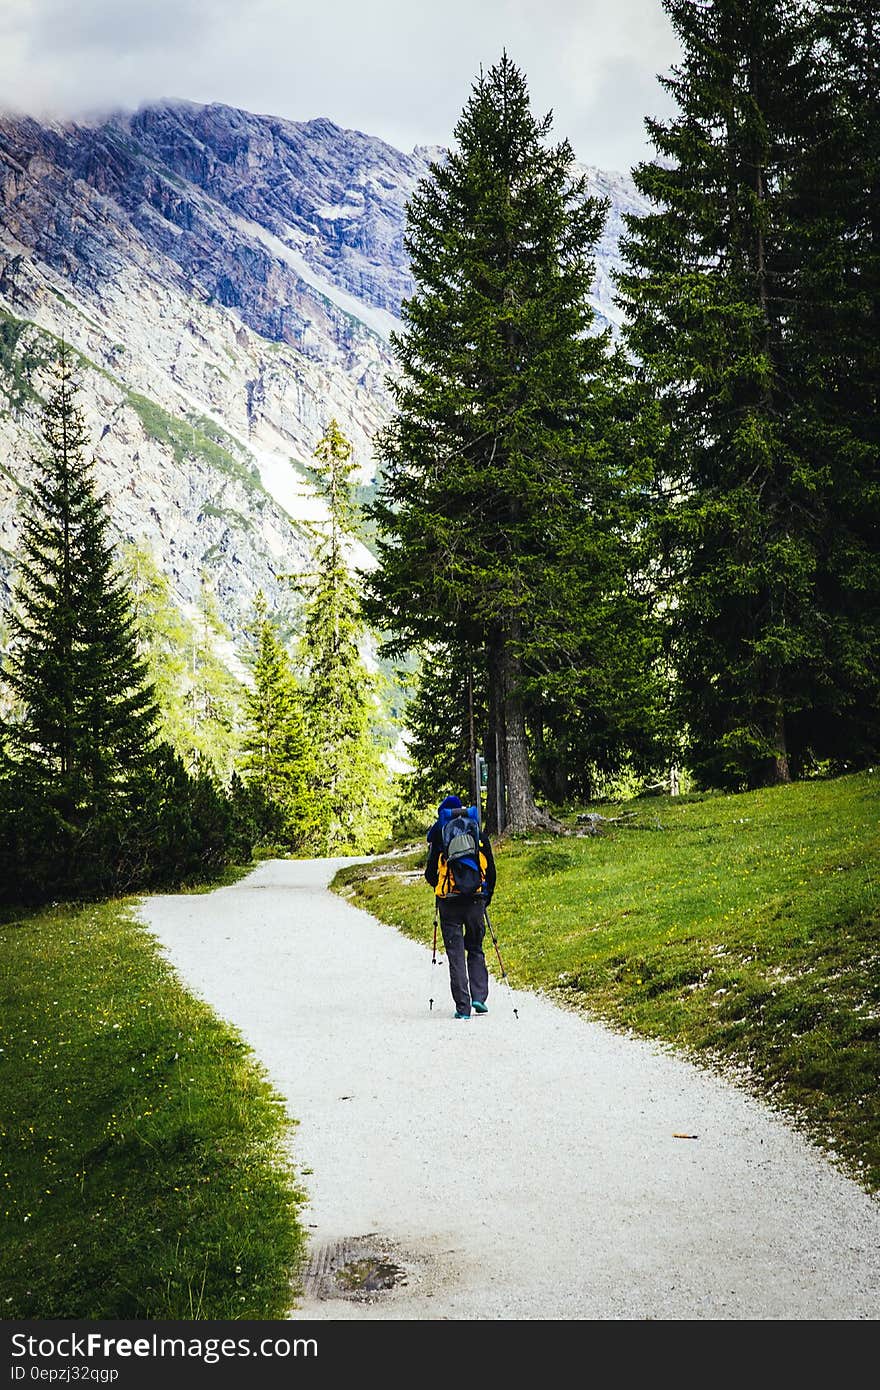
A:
[(745, 929), (232, 873), (143, 1170)]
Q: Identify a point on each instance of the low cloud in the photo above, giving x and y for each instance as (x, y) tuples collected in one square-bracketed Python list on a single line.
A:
[(104, 29), (392, 68)]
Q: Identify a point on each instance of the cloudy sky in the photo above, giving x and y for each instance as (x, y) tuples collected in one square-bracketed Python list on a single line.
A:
[(400, 69)]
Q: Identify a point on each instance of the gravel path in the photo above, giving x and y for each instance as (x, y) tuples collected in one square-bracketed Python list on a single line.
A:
[(509, 1169)]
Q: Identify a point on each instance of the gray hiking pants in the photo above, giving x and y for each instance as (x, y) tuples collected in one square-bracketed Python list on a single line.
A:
[(463, 924)]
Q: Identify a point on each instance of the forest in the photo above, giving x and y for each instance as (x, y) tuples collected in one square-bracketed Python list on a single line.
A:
[(604, 562)]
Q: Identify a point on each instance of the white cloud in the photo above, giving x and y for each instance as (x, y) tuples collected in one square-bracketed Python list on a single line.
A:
[(109, 29), (400, 69)]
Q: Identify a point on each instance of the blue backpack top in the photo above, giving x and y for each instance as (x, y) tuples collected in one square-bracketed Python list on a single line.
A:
[(460, 836)]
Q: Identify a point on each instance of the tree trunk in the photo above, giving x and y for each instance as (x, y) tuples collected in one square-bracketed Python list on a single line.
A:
[(506, 680), (779, 769)]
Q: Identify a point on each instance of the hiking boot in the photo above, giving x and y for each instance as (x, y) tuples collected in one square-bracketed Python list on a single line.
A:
[(479, 1007), (458, 1015)]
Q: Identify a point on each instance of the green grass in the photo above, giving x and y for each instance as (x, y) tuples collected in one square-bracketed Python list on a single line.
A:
[(22, 352), (143, 1172), (78, 309), (26, 348), (742, 929), (232, 873), (197, 437), (232, 518)]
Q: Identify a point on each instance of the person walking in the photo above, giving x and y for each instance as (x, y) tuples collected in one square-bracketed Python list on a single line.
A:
[(461, 870)]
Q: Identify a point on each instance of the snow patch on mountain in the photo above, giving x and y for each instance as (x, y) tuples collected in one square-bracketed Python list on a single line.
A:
[(380, 321)]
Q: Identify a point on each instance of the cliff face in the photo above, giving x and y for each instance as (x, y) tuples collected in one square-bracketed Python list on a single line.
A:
[(230, 282)]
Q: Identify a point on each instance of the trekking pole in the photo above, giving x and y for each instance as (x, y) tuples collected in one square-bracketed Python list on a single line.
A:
[(434, 960), (500, 962)]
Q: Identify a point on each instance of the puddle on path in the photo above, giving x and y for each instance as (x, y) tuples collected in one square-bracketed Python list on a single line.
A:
[(359, 1268)]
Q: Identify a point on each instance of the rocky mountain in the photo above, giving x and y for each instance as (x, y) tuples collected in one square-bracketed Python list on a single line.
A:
[(229, 282)]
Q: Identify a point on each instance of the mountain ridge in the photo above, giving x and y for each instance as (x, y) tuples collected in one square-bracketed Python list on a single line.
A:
[(231, 281)]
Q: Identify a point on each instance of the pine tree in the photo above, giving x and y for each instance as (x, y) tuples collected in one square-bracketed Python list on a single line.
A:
[(85, 715), (276, 755), (834, 322), (349, 779), (499, 473), (212, 692), (198, 695), (715, 279), (165, 641)]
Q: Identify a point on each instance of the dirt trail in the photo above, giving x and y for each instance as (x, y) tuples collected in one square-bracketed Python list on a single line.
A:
[(504, 1168)]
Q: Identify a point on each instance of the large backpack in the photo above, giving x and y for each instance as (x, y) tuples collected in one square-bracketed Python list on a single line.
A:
[(461, 864)]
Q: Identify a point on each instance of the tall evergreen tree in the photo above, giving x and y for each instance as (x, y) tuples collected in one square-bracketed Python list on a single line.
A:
[(212, 692), (348, 779), (276, 754), (499, 474), (198, 696), (834, 323), (85, 716), (165, 641), (716, 279)]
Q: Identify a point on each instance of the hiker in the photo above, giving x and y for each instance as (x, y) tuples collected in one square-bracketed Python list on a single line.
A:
[(461, 870)]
